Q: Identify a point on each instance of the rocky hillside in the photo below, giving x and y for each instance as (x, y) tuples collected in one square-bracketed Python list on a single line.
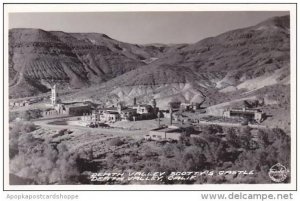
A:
[(239, 61), (37, 58), (234, 56), (236, 62)]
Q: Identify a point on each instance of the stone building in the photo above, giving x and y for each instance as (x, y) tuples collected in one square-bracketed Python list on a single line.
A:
[(122, 113), (190, 106), (77, 109), (49, 112), (86, 117), (250, 114), (70, 109), (128, 114), (169, 132), (109, 116), (143, 109)]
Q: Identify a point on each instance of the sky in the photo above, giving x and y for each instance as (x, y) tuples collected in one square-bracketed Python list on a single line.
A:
[(144, 27)]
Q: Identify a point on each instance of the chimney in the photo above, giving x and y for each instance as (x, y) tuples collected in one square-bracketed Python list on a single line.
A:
[(158, 116), (119, 107), (153, 103), (171, 116), (134, 101)]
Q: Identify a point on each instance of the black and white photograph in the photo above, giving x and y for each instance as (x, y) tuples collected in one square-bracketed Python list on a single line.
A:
[(150, 97)]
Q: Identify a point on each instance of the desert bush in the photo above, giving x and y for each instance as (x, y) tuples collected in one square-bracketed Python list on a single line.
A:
[(60, 133), (193, 159), (116, 142), (168, 166), (87, 154), (169, 150), (214, 129), (110, 161), (148, 153), (245, 137), (263, 138), (31, 114), (44, 163), (15, 132), (274, 148), (232, 138), (151, 166), (13, 116), (184, 139), (23, 127), (221, 152), (29, 127), (199, 142)]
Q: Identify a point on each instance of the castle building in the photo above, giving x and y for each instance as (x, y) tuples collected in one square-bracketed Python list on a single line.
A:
[(122, 113)]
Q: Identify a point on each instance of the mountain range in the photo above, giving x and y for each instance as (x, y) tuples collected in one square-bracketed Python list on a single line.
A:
[(236, 64)]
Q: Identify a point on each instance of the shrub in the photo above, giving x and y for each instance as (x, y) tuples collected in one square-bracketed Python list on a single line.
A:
[(213, 129), (60, 132), (232, 137), (150, 153), (28, 127), (263, 138), (110, 161), (31, 114), (116, 142), (169, 150), (13, 116), (184, 139), (45, 163), (193, 159), (15, 133)]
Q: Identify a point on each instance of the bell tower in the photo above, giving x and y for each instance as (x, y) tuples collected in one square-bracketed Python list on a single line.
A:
[(53, 95)]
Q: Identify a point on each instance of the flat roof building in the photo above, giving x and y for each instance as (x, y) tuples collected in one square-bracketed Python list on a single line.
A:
[(250, 114)]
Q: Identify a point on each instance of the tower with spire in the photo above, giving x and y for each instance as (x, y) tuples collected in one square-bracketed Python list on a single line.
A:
[(53, 95)]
